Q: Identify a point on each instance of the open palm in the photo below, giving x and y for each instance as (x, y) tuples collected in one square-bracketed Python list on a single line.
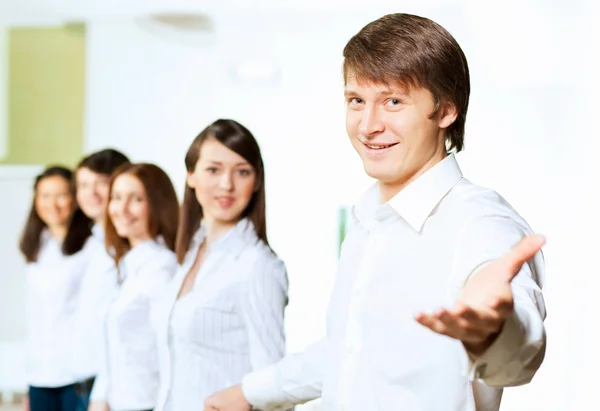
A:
[(486, 300)]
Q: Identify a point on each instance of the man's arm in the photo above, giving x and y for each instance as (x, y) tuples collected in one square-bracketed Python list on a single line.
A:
[(295, 379), (517, 352), (499, 311)]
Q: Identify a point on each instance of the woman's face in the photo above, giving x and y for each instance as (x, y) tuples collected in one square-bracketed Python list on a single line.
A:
[(128, 209), (53, 201), (224, 183), (92, 193)]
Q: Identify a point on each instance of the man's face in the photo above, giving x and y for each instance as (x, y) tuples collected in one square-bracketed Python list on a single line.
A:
[(394, 133), (92, 193)]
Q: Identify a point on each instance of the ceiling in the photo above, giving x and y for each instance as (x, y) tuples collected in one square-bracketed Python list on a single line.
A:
[(41, 12)]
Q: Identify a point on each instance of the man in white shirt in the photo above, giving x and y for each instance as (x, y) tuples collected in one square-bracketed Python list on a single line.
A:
[(92, 178), (437, 303)]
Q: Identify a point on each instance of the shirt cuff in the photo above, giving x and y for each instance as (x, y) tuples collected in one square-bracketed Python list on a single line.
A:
[(502, 355), (99, 391), (262, 390)]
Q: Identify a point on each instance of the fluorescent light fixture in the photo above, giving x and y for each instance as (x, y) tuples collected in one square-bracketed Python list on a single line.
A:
[(191, 29)]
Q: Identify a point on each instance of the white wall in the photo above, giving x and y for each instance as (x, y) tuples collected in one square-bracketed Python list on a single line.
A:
[(3, 91)]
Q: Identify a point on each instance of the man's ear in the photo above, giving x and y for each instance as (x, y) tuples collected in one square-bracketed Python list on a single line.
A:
[(448, 115)]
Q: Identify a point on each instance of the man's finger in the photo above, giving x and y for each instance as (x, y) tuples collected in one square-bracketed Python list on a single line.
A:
[(521, 253), (209, 404), (456, 326), (431, 322)]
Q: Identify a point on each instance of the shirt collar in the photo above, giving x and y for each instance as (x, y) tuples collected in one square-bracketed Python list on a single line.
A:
[(234, 241), (417, 200)]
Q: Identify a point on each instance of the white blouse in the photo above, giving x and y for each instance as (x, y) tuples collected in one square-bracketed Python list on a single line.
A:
[(128, 377), (53, 284), (229, 324)]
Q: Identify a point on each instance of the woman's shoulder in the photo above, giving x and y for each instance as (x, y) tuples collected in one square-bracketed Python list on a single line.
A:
[(160, 252), (152, 254), (263, 263)]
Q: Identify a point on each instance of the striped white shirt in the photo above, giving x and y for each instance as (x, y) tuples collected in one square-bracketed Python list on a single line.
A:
[(230, 323), (128, 377)]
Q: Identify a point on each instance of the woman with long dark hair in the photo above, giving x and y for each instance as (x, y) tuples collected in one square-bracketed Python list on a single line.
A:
[(223, 314), (54, 245)]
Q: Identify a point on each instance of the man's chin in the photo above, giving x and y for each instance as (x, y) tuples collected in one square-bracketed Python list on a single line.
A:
[(378, 173)]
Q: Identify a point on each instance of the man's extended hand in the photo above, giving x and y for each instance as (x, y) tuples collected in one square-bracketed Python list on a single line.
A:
[(230, 399), (485, 301)]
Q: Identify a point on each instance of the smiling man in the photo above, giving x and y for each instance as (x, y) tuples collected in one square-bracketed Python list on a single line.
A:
[(437, 304)]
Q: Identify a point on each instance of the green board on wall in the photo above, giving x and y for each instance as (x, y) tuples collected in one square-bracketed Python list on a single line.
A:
[(46, 89)]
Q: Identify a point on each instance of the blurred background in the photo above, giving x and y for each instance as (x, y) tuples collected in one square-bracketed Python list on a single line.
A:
[(145, 76)]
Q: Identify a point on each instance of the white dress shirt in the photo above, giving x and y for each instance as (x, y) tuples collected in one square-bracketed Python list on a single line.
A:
[(229, 324), (53, 284), (98, 288), (128, 379), (411, 255)]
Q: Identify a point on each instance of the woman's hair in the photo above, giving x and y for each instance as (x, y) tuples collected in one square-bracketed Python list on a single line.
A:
[(163, 208), (237, 138), (79, 225)]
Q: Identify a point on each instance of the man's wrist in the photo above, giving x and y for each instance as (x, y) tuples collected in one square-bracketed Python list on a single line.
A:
[(477, 349), (261, 389)]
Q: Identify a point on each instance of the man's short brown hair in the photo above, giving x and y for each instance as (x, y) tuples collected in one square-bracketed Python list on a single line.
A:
[(413, 51)]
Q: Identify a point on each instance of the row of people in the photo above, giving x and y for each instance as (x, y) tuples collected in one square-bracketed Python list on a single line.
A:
[(142, 305), (205, 324)]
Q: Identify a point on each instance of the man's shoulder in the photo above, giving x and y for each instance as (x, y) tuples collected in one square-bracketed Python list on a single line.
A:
[(475, 203)]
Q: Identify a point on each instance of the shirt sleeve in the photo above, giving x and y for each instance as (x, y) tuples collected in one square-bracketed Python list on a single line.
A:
[(155, 274), (262, 305), (100, 389), (296, 379), (517, 353)]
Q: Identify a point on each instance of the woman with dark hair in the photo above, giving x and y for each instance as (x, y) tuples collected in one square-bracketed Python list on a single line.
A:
[(222, 315), (140, 230), (54, 244)]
